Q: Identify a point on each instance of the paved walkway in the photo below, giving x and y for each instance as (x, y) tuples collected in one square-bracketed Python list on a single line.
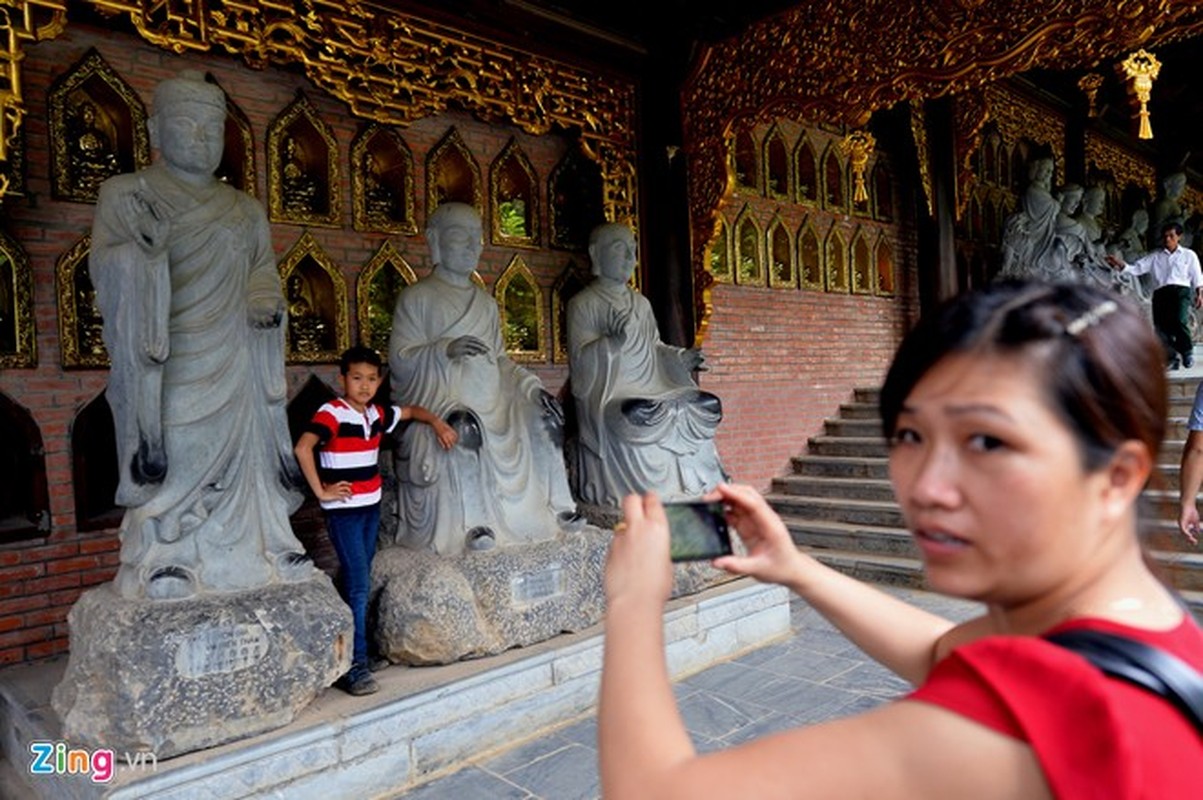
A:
[(813, 675)]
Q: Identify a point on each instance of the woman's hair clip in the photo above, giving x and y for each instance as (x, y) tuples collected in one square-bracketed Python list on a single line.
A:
[(1091, 317)]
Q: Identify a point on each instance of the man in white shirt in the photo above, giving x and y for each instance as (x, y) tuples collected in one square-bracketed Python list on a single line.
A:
[(1178, 282)]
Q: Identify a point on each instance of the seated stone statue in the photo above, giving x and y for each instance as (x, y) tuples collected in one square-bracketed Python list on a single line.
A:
[(1094, 200), (1168, 208), (1030, 233), (504, 482), (644, 424), (187, 286)]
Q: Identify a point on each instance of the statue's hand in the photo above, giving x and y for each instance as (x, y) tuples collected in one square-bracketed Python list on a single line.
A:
[(265, 313), (693, 359), (616, 325), (466, 346), (151, 228), (553, 414)]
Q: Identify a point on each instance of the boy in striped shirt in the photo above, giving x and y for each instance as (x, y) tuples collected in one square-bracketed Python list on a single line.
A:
[(347, 432)]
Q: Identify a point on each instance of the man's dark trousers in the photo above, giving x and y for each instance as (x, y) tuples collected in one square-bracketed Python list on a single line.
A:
[(1171, 318)]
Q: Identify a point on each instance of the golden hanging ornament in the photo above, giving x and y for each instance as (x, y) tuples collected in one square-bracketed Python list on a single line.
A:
[(1090, 83), (1141, 68), (857, 146)]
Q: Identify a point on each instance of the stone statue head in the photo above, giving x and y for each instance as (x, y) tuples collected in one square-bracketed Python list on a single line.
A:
[(1140, 220), (1094, 199), (454, 236), (1174, 184), (188, 124), (613, 251), (1070, 196), (1040, 171)]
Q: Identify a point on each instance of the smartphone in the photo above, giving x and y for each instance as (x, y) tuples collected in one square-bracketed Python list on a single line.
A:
[(697, 530)]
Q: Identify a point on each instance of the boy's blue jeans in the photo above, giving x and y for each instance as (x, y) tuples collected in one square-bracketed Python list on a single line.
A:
[(353, 534)]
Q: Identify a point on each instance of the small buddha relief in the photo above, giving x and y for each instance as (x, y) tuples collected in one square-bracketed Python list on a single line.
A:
[(307, 331), (303, 178), (92, 155), (316, 298), (299, 187)]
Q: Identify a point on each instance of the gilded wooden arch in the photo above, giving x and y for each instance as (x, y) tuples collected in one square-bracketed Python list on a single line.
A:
[(79, 323), (718, 253), (836, 277), (18, 345), (316, 293), (303, 183), (382, 181), (860, 258), (749, 249), (783, 270), (513, 198), (450, 164), (376, 290), (810, 257), (776, 68), (520, 304)]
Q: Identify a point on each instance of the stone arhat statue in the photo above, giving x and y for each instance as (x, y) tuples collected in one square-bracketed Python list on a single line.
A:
[(643, 422), (504, 483), (186, 282)]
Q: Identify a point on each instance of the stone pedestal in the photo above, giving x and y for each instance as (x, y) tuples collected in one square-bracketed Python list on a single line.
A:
[(173, 676), (434, 609)]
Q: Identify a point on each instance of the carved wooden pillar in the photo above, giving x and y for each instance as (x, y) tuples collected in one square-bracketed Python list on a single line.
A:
[(937, 252)]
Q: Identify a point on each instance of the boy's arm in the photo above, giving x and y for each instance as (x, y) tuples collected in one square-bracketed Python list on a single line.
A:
[(305, 459), (443, 432)]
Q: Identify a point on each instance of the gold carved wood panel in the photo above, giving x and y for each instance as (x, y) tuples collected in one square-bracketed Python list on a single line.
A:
[(18, 345)]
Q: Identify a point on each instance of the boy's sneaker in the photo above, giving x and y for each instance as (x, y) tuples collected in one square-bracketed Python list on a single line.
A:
[(378, 663), (361, 684), (1188, 360)]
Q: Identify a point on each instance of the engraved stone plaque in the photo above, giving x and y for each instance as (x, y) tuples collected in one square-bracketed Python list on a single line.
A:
[(531, 587), (224, 648)]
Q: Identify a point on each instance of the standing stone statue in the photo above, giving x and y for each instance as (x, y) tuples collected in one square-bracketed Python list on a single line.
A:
[(194, 324), (504, 482), (187, 285), (643, 423), (1168, 208), (1029, 234)]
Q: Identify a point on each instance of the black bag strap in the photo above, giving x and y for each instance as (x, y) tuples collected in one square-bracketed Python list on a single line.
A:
[(1148, 667)]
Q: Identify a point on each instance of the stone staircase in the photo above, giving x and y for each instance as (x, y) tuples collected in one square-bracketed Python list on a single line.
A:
[(839, 506)]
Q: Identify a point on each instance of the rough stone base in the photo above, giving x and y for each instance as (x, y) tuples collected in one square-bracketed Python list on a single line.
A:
[(170, 677), (433, 609)]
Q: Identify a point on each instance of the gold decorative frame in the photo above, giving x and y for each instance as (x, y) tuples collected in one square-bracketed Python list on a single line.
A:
[(863, 272), (745, 219), (16, 307), (1126, 167), (119, 109), (746, 138), (830, 154), (571, 280), (307, 250), (79, 322), (513, 153), (385, 260), (805, 148), (376, 140), (321, 155), (518, 270), (883, 178), (452, 144), (778, 233), (935, 48), (836, 257), (810, 276)]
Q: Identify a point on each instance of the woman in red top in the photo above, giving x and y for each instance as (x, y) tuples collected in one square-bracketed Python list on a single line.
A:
[(1023, 421)]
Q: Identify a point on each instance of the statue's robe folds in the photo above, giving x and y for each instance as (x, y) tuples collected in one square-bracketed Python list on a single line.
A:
[(207, 473), (506, 473), (643, 423), (1029, 238)]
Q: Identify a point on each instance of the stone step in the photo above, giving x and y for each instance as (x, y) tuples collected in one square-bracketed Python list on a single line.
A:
[(838, 509), (840, 466), (1182, 387), (821, 486), (858, 446), (896, 570), (860, 411), (861, 428), (829, 535), (867, 394)]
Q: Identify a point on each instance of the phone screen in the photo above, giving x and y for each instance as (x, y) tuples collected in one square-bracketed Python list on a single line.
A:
[(697, 530)]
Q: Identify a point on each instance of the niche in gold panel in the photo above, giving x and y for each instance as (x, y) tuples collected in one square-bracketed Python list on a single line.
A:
[(18, 346), (24, 499), (575, 200), (863, 280), (810, 258), (79, 324), (806, 171), (835, 195), (883, 191), (97, 129), (382, 181), (749, 259), (837, 261), (514, 198), (745, 161), (571, 280), (452, 175), (782, 270), (885, 266), (317, 304), (520, 301), (776, 161), (303, 178), (376, 295), (719, 258), (94, 466)]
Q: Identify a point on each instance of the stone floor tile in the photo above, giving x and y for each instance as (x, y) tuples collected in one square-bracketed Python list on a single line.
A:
[(870, 678), (470, 783), (567, 774), (712, 716), (525, 753)]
